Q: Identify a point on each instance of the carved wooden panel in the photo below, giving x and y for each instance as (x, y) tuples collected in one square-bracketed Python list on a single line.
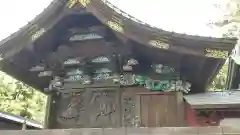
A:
[(103, 108), (71, 109), (96, 108)]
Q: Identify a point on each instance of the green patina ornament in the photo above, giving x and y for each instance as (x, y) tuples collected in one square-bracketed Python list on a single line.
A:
[(140, 80)]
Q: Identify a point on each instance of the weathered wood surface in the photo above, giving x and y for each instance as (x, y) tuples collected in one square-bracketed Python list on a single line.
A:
[(159, 109), (132, 131)]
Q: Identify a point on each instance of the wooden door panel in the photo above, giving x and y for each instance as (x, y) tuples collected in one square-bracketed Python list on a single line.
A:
[(144, 108), (159, 110)]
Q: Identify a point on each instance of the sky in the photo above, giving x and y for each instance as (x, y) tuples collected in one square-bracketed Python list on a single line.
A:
[(17, 13), (182, 16)]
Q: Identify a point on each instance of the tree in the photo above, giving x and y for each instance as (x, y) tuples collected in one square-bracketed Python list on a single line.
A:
[(20, 99), (219, 82), (230, 24)]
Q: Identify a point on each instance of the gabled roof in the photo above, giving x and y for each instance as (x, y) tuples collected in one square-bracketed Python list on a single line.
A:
[(225, 99), (23, 37), (18, 55)]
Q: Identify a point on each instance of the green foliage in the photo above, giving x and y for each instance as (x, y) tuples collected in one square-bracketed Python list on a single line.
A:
[(20, 99), (230, 24), (219, 83)]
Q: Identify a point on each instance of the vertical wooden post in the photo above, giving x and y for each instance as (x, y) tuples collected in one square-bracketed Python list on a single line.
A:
[(24, 125), (47, 120), (181, 109), (138, 109)]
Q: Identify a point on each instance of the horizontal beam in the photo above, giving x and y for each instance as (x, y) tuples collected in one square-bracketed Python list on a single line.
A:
[(131, 131)]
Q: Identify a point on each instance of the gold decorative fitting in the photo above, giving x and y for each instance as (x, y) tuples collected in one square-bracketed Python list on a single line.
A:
[(115, 26), (71, 3), (216, 53), (84, 2), (159, 44), (116, 19), (38, 34)]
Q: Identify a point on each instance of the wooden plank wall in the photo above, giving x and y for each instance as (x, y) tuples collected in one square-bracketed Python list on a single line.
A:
[(132, 131), (159, 109)]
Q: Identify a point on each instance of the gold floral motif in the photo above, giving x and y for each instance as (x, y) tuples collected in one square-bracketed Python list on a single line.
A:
[(115, 26), (71, 3), (84, 2), (159, 44), (38, 34), (214, 53)]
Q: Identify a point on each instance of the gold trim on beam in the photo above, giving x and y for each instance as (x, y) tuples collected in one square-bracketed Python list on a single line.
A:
[(159, 44), (115, 26), (215, 53), (38, 34), (72, 3)]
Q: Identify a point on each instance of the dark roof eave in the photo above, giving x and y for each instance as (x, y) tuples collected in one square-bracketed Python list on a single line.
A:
[(156, 31)]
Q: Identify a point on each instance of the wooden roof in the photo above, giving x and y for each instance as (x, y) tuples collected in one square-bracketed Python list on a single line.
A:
[(33, 43), (207, 100)]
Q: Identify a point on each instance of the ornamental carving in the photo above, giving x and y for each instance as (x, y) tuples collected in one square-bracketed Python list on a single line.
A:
[(71, 3), (84, 2), (115, 26), (84, 37), (74, 72), (74, 78), (38, 34), (74, 113), (37, 68), (159, 44), (214, 53), (71, 62), (101, 59), (45, 73), (89, 108)]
